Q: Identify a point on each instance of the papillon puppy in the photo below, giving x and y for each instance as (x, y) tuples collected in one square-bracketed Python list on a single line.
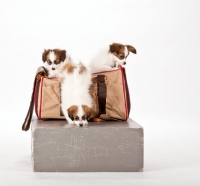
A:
[(111, 57), (54, 61), (76, 101)]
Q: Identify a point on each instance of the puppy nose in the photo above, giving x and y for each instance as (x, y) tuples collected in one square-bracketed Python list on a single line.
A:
[(124, 63), (80, 124), (53, 68)]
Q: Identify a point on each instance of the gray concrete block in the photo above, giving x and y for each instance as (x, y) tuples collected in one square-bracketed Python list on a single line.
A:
[(99, 147)]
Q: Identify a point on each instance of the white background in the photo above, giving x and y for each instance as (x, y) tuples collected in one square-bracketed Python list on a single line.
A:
[(164, 81)]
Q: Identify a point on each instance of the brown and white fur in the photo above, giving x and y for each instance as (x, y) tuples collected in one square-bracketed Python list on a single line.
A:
[(111, 57), (76, 100), (54, 61)]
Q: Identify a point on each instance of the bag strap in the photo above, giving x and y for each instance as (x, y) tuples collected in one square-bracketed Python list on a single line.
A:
[(102, 92), (41, 71)]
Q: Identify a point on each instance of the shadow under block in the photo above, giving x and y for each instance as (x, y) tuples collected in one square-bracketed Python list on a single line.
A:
[(115, 146)]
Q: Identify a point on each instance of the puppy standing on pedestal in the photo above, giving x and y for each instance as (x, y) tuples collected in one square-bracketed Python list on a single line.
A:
[(76, 100), (111, 57), (54, 60)]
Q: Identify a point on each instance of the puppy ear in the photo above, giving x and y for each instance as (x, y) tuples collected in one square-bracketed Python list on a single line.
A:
[(62, 55), (89, 114), (72, 111), (70, 114), (87, 111), (44, 55), (114, 47), (131, 49)]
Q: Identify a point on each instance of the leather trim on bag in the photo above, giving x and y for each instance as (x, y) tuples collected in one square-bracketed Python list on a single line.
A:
[(127, 92), (41, 71), (124, 90), (40, 98), (36, 97)]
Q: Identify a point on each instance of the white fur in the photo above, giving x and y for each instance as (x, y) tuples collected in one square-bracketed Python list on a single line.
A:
[(52, 56), (75, 91), (105, 61), (126, 51), (58, 67)]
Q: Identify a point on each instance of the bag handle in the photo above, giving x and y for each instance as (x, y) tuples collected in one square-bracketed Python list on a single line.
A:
[(102, 93), (40, 72)]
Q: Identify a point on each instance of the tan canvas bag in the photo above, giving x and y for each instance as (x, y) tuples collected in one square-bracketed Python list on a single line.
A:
[(109, 91)]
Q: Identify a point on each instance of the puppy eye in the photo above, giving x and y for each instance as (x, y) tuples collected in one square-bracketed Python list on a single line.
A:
[(49, 62), (84, 118), (122, 57), (56, 62), (76, 118)]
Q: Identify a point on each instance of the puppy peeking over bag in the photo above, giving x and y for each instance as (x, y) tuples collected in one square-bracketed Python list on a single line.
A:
[(79, 93)]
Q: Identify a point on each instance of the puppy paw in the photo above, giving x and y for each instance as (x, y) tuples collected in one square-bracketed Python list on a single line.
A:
[(71, 122), (51, 76), (115, 68)]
